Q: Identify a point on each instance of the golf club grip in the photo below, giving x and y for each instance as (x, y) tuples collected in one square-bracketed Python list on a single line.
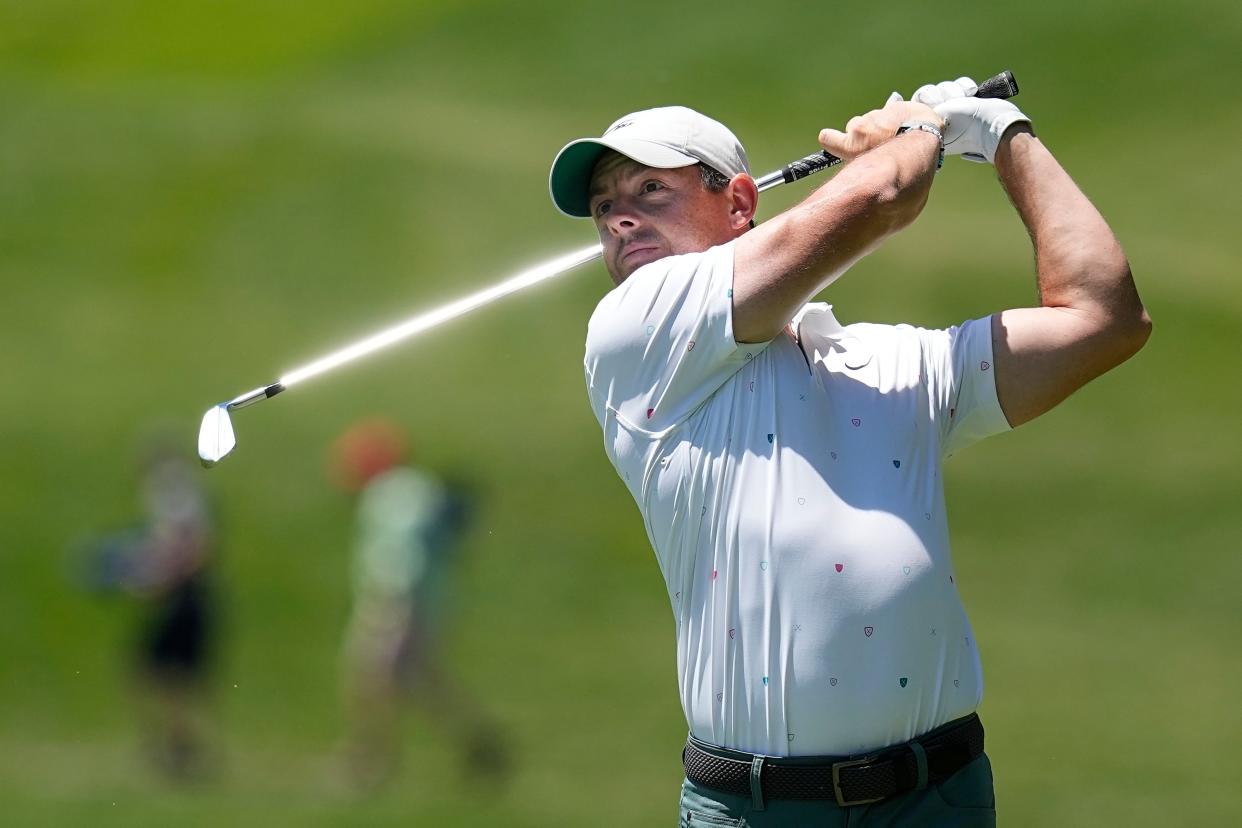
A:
[(1002, 85)]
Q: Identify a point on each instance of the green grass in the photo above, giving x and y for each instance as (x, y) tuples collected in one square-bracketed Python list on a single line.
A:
[(195, 198)]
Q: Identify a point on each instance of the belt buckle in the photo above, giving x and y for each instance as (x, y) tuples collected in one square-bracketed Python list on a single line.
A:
[(837, 767)]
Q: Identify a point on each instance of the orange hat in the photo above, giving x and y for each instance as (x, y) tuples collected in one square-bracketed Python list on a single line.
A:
[(368, 448)]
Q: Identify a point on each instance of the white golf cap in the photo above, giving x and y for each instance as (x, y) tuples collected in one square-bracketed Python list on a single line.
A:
[(665, 137)]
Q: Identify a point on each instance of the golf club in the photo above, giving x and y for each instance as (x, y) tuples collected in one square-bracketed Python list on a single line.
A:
[(215, 436)]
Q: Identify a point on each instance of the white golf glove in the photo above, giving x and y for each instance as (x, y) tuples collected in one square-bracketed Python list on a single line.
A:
[(973, 126)]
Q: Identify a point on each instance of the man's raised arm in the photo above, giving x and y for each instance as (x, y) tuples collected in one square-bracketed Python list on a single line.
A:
[(1090, 317), (788, 259)]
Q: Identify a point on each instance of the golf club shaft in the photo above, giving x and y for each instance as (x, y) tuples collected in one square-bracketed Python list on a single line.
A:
[(452, 310), (1002, 85), (252, 397)]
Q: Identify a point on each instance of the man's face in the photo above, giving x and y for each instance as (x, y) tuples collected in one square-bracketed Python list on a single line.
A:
[(643, 213)]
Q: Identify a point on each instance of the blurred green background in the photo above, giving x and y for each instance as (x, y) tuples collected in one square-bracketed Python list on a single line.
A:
[(196, 197)]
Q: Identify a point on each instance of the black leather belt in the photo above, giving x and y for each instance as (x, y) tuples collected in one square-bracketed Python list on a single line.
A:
[(871, 778)]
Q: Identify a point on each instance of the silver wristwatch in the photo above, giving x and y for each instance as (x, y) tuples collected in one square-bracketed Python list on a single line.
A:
[(926, 127)]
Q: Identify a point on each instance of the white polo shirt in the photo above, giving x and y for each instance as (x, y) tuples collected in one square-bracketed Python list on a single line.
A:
[(792, 494)]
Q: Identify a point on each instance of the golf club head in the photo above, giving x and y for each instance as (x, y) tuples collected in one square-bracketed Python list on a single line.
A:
[(215, 435)]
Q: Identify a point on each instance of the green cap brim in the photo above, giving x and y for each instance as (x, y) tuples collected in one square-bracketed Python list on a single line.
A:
[(570, 179)]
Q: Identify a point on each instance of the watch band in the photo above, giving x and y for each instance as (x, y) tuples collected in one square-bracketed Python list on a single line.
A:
[(929, 128)]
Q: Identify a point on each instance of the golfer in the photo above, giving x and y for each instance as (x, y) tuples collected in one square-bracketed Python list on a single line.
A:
[(788, 468)]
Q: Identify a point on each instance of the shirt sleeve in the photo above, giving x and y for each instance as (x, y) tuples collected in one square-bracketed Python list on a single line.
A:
[(961, 379), (662, 342)]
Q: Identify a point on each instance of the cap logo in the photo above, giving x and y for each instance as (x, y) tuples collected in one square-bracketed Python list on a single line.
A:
[(617, 126)]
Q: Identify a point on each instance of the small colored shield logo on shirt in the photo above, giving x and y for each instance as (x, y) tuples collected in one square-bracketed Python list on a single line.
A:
[(905, 570), (854, 421), (771, 436), (867, 631), (983, 366), (732, 632), (840, 567), (956, 683), (903, 680), (896, 464), (833, 681), (713, 574), (789, 736), (834, 455), (650, 330), (763, 565), (690, 346), (650, 411), (765, 681)]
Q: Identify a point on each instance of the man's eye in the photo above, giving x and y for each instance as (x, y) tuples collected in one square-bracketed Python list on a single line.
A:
[(652, 186), (602, 208)]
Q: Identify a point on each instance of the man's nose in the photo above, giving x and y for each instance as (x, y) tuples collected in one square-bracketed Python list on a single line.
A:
[(622, 220)]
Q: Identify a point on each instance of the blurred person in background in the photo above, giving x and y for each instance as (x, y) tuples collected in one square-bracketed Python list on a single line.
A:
[(409, 528), (165, 561)]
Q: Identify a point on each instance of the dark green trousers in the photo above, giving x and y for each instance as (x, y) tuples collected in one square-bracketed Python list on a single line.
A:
[(964, 800)]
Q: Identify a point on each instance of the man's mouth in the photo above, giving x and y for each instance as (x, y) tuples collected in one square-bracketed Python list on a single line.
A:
[(635, 249)]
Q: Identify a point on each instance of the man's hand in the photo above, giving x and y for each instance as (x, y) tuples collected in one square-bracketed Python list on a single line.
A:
[(865, 132), (974, 125)]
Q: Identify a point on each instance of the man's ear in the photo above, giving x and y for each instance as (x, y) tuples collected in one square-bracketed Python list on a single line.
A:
[(743, 198)]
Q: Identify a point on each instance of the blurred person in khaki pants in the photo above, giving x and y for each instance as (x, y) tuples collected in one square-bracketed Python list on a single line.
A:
[(408, 529)]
